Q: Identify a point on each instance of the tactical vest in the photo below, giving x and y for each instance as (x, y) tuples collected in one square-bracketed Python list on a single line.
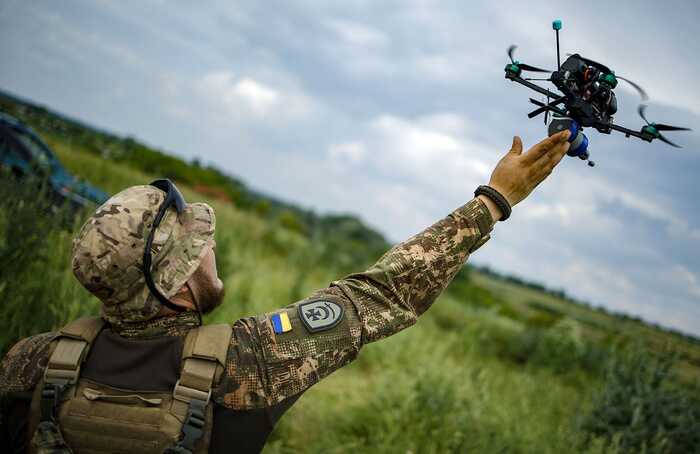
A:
[(73, 414)]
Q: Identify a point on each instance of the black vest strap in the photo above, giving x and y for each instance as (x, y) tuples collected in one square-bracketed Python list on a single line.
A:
[(192, 428), (50, 401)]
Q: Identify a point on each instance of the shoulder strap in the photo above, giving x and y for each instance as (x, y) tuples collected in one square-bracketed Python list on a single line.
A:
[(73, 344), (63, 370), (86, 328), (204, 360)]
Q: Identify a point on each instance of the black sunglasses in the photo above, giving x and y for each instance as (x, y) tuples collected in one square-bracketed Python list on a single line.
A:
[(173, 197)]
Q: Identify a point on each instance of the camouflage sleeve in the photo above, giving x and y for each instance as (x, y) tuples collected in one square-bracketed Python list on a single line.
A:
[(23, 365), (20, 371), (281, 354), (405, 282)]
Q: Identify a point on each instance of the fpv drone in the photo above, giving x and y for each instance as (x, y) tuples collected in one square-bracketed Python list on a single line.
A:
[(586, 100)]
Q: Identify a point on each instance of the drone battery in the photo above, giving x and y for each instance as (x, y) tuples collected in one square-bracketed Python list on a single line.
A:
[(579, 142), (559, 124), (579, 147)]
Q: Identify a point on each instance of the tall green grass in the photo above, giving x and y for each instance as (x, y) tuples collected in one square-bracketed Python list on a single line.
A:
[(36, 286)]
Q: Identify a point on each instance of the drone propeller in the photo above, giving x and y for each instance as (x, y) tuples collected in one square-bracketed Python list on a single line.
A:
[(545, 107), (639, 89), (523, 66), (654, 128)]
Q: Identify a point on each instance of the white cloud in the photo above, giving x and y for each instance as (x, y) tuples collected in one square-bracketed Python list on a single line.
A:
[(350, 151), (649, 207), (687, 277), (446, 122), (368, 49), (548, 211), (357, 34), (259, 97), (428, 149), (246, 95)]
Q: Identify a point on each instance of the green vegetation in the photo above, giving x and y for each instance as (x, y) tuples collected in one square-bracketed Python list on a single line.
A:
[(35, 273), (494, 366), (641, 408)]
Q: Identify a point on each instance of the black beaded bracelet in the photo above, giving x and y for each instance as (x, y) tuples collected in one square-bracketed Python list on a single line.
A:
[(497, 198)]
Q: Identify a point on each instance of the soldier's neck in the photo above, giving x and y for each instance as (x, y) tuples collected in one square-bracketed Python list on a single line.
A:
[(172, 324)]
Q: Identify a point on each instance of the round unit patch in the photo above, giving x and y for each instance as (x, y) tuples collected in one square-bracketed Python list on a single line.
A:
[(320, 315)]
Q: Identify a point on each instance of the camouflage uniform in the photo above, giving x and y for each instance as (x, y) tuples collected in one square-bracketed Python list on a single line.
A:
[(265, 366)]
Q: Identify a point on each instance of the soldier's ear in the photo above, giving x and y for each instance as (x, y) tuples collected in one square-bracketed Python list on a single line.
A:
[(184, 298)]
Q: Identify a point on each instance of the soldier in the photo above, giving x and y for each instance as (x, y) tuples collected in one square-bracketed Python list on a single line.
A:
[(146, 377)]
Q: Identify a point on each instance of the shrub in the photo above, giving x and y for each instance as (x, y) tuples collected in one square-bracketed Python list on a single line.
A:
[(560, 348), (462, 287), (425, 415), (643, 408)]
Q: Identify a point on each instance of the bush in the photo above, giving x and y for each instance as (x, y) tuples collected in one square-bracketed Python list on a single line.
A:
[(643, 408), (463, 288), (560, 348), (425, 415)]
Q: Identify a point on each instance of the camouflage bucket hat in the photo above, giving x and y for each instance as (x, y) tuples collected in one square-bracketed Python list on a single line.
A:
[(108, 251)]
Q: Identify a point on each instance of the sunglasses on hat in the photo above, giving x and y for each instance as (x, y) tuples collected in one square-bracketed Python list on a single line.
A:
[(173, 198)]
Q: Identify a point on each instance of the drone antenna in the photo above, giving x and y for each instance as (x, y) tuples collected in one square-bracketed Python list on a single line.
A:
[(556, 25)]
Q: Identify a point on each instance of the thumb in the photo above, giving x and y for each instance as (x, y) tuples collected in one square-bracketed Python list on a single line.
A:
[(517, 147)]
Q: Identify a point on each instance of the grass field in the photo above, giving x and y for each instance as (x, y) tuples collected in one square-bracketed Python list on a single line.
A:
[(492, 367)]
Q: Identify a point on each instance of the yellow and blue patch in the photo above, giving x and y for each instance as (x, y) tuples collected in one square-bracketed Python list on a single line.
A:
[(281, 323)]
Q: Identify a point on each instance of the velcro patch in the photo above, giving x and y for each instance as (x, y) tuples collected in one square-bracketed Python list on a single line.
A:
[(320, 315), (281, 323)]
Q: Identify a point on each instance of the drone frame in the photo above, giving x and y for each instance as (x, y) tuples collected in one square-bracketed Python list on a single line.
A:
[(558, 98)]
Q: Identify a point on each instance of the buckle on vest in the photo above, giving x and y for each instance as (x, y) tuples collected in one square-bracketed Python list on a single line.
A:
[(61, 376), (186, 394), (193, 427), (51, 395)]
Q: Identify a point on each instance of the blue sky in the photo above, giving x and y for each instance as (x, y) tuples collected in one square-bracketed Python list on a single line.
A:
[(396, 111)]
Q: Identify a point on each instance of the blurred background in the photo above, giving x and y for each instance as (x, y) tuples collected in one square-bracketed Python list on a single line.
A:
[(324, 132)]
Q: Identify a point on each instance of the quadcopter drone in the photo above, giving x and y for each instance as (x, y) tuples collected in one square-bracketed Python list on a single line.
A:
[(586, 100)]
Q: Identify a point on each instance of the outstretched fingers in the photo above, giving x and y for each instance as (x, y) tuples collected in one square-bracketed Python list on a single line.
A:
[(517, 147), (518, 173), (553, 144), (556, 155)]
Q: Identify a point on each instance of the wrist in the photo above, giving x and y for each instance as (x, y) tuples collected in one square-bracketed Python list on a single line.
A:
[(497, 199), (496, 213), (504, 193)]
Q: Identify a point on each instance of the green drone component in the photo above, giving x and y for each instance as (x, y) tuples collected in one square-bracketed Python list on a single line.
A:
[(609, 79), (556, 25), (515, 68), (651, 129)]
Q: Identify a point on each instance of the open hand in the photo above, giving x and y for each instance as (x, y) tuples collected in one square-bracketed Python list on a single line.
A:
[(518, 173)]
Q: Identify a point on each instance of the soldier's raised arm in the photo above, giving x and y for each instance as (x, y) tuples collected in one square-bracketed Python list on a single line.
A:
[(281, 354)]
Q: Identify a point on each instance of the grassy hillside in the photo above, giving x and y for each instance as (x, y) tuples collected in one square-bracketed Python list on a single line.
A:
[(494, 366)]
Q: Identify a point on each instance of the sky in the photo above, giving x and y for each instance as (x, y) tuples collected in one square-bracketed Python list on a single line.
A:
[(396, 111)]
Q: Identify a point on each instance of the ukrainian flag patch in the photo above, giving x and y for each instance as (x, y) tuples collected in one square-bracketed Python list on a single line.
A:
[(281, 323)]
